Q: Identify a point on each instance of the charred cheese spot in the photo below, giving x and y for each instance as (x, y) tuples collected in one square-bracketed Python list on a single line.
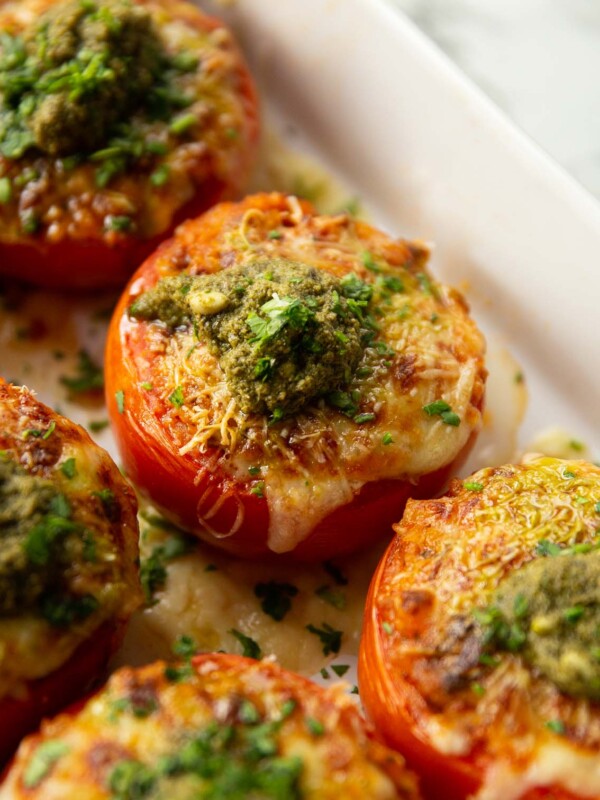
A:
[(227, 727), (69, 542), (406, 408), (502, 658)]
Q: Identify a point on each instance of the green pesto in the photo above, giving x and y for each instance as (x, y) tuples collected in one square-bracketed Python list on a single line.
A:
[(230, 761), (284, 333), (39, 540), (83, 68), (549, 611)]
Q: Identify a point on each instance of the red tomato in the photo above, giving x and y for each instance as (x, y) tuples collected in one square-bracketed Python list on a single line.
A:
[(75, 246), (195, 488), (424, 683)]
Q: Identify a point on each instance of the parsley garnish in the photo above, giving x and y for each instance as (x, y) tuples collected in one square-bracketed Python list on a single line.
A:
[(275, 598), (153, 570), (335, 572), (89, 376), (251, 649), (331, 639), (556, 726), (176, 397), (120, 400), (43, 758), (335, 597), (69, 468), (340, 669), (277, 313), (440, 408), (547, 548)]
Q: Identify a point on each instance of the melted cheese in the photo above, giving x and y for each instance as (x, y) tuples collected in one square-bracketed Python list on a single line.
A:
[(554, 764)]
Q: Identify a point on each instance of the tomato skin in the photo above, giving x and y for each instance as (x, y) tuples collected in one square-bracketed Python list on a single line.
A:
[(54, 691), (83, 264), (388, 700)]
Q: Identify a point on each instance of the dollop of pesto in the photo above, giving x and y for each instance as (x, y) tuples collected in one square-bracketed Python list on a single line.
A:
[(549, 612), (83, 68), (37, 547), (284, 332)]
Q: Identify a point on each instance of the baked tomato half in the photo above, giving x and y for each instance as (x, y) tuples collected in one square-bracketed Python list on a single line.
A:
[(118, 120), (218, 726), (68, 574), (280, 380), (480, 656)]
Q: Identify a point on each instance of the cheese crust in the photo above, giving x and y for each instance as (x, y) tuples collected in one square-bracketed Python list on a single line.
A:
[(147, 716)]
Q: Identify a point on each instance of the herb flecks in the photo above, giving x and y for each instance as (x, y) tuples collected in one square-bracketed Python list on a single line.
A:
[(331, 639), (250, 648), (88, 377), (442, 409), (276, 598)]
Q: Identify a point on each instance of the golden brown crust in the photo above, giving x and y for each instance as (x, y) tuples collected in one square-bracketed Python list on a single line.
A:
[(143, 716)]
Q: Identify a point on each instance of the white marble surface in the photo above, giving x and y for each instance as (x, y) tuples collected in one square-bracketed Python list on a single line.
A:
[(539, 60)]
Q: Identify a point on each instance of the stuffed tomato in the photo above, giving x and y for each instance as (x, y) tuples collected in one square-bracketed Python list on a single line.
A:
[(118, 119), (68, 563), (480, 657), (218, 726), (279, 380)]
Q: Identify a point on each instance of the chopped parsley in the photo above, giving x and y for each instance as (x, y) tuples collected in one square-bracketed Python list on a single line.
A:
[(335, 597), (88, 377), (153, 569), (340, 669), (41, 761), (120, 400), (556, 726), (331, 639), (251, 649), (440, 408), (276, 598), (335, 572), (69, 468), (176, 397)]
